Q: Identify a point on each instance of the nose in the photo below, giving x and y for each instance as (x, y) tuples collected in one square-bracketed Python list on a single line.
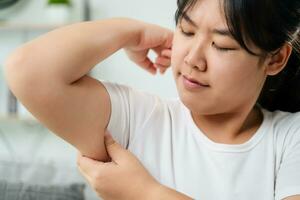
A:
[(195, 58)]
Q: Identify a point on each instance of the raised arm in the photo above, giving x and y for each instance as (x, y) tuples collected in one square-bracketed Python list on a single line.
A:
[(48, 75)]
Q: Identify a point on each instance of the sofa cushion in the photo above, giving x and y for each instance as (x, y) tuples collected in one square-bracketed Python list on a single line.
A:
[(25, 191)]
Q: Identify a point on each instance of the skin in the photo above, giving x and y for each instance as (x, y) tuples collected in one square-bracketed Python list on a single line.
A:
[(84, 124)]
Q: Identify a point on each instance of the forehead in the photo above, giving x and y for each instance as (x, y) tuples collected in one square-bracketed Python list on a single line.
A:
[(208, 13)]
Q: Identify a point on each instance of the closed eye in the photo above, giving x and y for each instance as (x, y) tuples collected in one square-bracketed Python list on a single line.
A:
[(222, 48), (188, 34)]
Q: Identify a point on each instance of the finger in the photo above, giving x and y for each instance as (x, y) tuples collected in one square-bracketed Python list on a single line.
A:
[(148, 65), (163, 61), (169, 40), (85, 175), (166, 53), (142, 60), (163, 52), (167, 44), (114, 149), (88, 166), (162, 69)]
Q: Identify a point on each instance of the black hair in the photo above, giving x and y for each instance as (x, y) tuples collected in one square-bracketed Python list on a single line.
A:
[(268, 24)]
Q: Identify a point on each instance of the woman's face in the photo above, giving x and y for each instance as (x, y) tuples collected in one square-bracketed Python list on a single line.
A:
[(204, 51)]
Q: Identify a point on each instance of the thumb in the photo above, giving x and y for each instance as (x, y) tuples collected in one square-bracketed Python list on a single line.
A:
[(87, 165), (114, 149)]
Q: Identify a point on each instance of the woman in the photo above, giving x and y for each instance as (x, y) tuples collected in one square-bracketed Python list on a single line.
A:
[(228, 136)]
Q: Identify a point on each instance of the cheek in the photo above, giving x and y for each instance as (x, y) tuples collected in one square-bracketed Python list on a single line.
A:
[(176, 55), (240, 78)]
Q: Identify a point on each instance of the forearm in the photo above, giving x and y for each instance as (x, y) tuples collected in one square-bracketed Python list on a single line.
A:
[(72, 51), (165, 193)]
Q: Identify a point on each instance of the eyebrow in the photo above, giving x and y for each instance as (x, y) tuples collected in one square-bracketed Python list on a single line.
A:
[(223, 32), (189, 20)]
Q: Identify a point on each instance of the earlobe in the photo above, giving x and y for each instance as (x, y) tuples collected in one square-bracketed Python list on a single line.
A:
[(278, 61)]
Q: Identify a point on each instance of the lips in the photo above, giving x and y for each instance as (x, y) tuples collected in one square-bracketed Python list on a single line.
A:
[(192, 80)]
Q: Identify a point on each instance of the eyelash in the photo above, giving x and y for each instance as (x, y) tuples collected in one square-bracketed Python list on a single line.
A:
[(189, 34), (221, 49), (186, 33)]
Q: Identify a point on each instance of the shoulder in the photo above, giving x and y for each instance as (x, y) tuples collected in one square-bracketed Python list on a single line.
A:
[(113, 87), (124, 93), (285, 127), (141, 104), (285, 121)]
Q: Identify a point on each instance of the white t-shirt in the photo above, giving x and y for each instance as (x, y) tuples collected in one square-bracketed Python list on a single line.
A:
[(164, 137)]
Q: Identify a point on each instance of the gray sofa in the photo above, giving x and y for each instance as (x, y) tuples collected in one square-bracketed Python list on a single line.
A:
[(36, 164)]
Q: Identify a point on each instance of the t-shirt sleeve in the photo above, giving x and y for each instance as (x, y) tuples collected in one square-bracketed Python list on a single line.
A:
[(130, 109), (288, 176)]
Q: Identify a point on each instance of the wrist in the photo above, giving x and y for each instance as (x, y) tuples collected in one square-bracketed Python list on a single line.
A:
[(132, 31)]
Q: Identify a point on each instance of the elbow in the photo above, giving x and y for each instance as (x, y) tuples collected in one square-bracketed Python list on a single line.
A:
[(11, 63), (14, 72), (18, 73), (25, 81)]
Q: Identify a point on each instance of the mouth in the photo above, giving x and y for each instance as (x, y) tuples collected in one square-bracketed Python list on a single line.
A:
[(193, 83)]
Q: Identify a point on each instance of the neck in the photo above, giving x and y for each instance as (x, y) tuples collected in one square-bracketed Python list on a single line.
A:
[(230, 128)]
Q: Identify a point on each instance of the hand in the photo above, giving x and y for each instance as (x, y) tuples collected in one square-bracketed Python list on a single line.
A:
[(122, 178), (156, 38)]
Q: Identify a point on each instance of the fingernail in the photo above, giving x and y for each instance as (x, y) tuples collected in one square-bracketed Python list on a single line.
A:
[(107, 135), (153, 72)]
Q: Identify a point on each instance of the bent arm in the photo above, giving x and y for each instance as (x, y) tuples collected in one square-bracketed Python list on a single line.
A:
[(48, 75)]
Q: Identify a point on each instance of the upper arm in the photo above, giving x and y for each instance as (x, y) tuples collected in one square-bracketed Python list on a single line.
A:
[(288, 156), (77, 112)]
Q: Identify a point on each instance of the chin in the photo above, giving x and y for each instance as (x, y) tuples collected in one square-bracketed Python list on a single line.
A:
[(192, 100), (194, 104)]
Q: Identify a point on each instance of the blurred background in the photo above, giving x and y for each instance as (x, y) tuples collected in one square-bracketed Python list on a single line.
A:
[(28, 151)]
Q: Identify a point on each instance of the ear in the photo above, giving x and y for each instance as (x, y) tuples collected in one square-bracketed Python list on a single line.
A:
[(278, 61)]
